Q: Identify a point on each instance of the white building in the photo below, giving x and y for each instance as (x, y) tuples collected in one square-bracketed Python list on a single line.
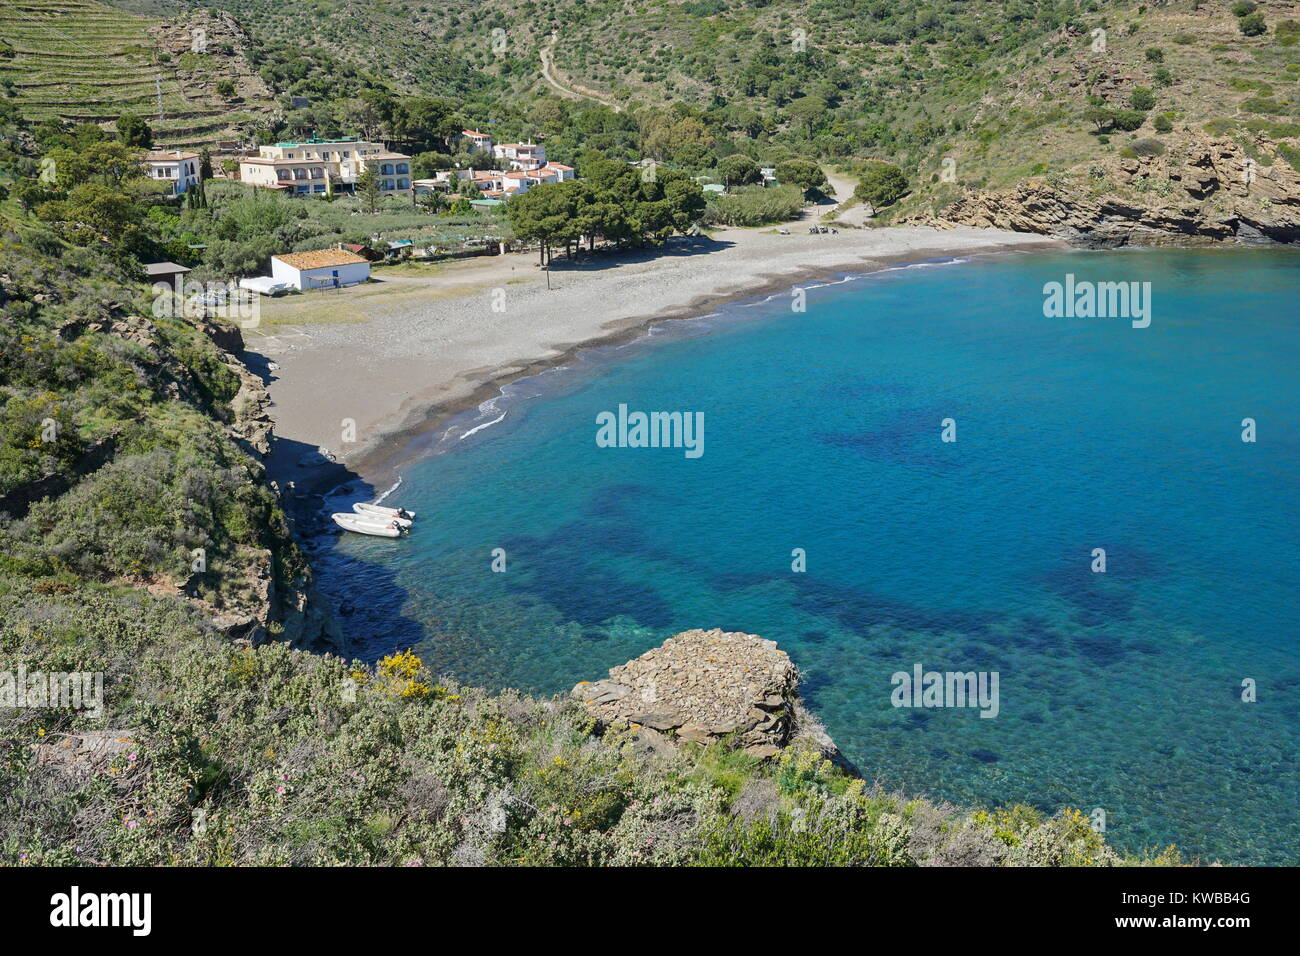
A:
[(475, 140), (178, 168), (320, 269), (521, 155), (319, 166), (520, 181)]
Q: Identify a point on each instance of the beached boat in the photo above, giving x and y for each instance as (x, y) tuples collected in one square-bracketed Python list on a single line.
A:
[(378, 526), (381, 518), (383, 511)]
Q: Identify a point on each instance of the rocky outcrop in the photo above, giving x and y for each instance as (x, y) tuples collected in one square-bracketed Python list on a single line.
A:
[(1195, 192), (76, 758), (706, 686), (224, 335)]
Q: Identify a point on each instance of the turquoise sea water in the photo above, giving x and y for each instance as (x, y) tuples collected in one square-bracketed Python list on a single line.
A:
[(1119, 691)]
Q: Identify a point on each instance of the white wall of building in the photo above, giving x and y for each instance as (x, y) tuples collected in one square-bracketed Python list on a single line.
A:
[(322, 277)]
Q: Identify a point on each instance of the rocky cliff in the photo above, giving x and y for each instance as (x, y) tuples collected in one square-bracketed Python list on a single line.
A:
[(1199, 191), (295, 611), (703, 686)]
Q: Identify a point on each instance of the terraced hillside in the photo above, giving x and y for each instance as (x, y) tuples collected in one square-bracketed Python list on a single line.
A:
[(88, 63)]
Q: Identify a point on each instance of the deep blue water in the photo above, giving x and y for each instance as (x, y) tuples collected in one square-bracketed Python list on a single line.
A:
[(1119, 690)]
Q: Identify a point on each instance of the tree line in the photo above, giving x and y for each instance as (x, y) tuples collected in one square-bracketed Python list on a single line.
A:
[(614, 202)]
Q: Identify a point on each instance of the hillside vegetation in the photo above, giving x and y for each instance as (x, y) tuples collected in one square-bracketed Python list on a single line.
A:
[(1170, 80), (959, 95), (85, 62)]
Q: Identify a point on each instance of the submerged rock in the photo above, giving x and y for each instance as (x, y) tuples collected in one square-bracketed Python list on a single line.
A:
[(704, 686)]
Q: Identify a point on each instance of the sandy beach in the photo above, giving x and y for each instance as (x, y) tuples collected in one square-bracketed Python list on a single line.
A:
[(426, 341)]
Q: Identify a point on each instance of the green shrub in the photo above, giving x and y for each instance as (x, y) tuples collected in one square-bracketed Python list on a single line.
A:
[(1129, 120), (1264, 104), (1252, 25), (1142, 99), (1290, 154)]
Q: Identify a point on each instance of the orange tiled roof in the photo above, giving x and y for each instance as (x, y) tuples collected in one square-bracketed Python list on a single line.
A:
[(320, 259)]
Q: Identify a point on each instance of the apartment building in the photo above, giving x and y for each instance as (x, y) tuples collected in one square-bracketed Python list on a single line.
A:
[(318, 166)]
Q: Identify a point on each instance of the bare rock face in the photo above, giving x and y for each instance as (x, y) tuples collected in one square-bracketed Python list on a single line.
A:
[(1196, 191), (701, 686), (79, 757), (253, 426)]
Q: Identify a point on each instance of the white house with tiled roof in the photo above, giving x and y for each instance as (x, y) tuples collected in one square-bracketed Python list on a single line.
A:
[(560, 171), (176, 167), (473, 139), (320, 269), (517, 182)]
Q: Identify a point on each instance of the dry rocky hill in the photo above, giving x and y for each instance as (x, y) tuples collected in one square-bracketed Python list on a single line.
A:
[(1206, 147)]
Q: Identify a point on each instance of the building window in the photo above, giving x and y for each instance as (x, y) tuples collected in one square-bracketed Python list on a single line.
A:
[(317, 173), (345, 154), (387, 184), (300, 174), (386, 169), (403, 168), (283, 174), (319, 189), (403, 184)]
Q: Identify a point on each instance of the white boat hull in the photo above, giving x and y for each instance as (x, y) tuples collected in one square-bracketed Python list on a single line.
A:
[(374, 513), (380, 529), (384, 511)]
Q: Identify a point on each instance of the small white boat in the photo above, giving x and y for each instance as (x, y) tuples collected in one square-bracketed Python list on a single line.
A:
[(360, 525), (379, 512)]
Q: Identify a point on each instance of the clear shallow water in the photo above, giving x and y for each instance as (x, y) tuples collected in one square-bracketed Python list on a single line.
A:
[(1118, 690)]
